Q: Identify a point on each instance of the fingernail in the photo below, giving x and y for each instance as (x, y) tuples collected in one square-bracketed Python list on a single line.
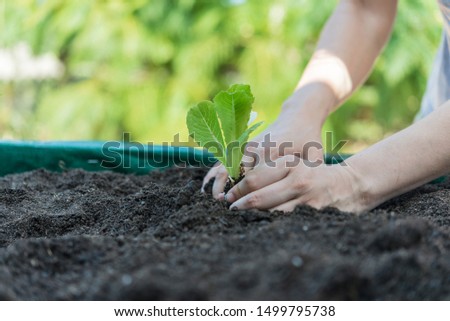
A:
[(234, 208), (221, 196), (229, 197)]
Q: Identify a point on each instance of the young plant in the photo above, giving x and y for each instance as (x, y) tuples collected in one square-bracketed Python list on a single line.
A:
[(221, 126)]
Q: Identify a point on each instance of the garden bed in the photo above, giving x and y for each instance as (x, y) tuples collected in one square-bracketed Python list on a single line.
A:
[(81, 235)]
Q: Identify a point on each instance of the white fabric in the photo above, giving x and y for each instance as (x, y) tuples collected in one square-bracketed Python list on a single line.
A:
[(438, 88)]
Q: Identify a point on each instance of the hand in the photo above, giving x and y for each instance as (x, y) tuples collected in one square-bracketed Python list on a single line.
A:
[(294, 132), (288, 182)]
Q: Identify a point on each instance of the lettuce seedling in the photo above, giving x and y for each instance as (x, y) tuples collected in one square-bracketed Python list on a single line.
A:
[(221, 126)]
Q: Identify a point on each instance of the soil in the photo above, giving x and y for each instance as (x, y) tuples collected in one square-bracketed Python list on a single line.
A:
[(105, 236)]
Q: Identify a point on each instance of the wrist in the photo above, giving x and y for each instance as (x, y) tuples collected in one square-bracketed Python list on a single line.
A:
[(352, 191), (313, 102)]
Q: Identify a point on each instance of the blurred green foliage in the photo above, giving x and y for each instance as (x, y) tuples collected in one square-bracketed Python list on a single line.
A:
[(137, 66)]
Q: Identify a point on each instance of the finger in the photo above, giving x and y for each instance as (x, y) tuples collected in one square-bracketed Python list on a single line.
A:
[(211, 173), (286, 207), (251, 156), (267, 197), (262, 175), (248, 162), (219, 182), (258, 156)]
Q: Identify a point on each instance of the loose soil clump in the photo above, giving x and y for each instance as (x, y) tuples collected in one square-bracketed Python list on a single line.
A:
[(105, 236)]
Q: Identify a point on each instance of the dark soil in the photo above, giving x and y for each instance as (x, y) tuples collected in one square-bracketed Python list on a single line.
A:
[(106, 236)]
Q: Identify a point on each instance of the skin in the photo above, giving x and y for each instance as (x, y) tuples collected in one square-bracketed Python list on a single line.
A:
[(349, 44)]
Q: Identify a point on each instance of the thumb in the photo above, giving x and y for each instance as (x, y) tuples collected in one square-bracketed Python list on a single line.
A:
[(252, 156)]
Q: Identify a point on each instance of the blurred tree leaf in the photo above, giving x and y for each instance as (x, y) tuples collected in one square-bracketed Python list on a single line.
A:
[(137, 66)]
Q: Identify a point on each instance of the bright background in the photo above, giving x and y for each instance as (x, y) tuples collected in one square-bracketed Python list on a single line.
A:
[(137, 66)]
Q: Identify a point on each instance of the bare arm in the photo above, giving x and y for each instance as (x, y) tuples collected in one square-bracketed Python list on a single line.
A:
[(410, 158), (349, 44)]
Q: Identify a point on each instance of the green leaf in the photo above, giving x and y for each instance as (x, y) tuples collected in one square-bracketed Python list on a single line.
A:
[(204, 128), (245, 135), (221, 126), (233, 107), (238, 152)]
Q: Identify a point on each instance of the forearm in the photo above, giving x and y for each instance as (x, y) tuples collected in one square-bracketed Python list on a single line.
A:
[(407, 159), (349, 44)]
